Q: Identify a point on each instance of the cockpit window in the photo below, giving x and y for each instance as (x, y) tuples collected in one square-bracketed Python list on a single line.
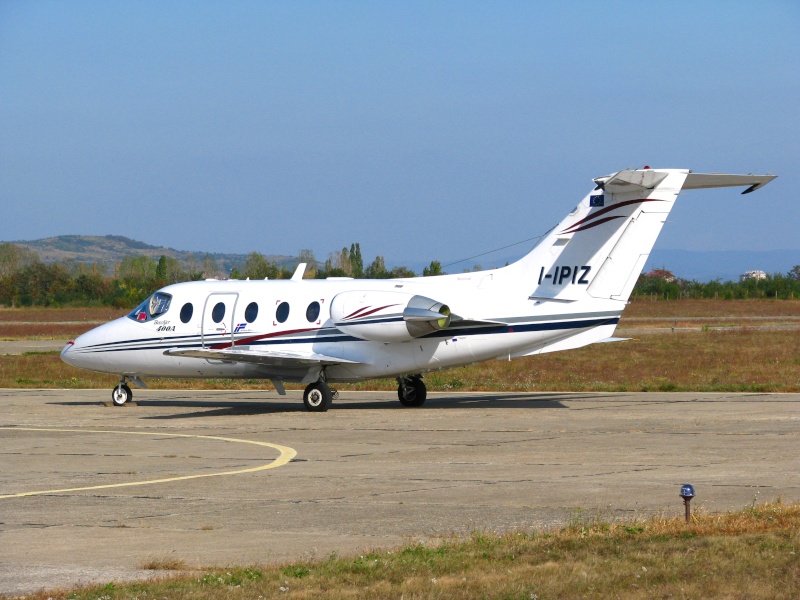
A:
[(152, 308)]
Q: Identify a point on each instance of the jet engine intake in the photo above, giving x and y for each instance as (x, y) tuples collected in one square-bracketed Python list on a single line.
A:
[(388, 316)]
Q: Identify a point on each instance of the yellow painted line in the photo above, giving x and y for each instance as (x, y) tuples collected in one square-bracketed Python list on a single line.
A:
[(286, 454)]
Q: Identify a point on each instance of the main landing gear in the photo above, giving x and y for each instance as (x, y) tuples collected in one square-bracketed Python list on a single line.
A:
[(411, 390), (318, 396)]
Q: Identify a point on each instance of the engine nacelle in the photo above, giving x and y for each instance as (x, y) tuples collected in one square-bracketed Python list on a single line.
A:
[(387, 316)]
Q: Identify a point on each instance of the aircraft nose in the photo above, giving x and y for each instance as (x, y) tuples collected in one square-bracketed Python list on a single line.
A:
[(66, 349), (75, 353), (70, 356)]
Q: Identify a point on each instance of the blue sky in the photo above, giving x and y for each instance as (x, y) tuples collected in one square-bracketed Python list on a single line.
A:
[(421, 130)]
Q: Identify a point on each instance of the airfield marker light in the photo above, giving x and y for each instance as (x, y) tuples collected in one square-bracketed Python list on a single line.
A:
[(687, 493)]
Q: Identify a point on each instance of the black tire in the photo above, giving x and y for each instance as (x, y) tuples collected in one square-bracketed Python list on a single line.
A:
[(121, 394), (415, 392), (318, 397)]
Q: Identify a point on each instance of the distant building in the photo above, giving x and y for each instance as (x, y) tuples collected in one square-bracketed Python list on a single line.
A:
[(752, 275), (661, 274)]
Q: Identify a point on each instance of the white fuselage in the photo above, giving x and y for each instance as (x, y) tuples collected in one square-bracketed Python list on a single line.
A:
[(513, 325)]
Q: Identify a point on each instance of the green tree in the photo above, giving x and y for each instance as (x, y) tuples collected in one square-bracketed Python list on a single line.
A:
[(435, 268), (356, 262), (307, 256), (90, 288), (137, 268), (175, 272), (340, 262), (13, 258), (377, 269), (400, 272), (43, 285), (210, 268), (258, 267), (161, 269)]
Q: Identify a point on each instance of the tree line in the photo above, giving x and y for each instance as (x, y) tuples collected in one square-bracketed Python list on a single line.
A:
[(663, 285), (26, 281)]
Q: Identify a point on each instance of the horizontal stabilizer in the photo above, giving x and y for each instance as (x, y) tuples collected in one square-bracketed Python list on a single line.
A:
[(269, 358), (629, 181), (696, 181)]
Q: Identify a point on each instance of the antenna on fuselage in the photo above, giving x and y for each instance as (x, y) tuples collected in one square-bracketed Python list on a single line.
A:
[(298, 272)]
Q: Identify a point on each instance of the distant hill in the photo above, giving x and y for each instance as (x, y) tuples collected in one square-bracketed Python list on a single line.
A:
[(110, 249), (700, 266)]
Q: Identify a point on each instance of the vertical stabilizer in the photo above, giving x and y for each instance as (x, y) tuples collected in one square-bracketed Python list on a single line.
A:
[(600, 248)]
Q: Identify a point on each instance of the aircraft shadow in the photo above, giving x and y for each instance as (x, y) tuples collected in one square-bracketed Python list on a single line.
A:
[(211, 408)]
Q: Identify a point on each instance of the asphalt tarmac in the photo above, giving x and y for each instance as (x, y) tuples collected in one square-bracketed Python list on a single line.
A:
[(92, 493)]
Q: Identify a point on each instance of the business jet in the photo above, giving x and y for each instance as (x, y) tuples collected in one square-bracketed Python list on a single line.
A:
[(568, 292)]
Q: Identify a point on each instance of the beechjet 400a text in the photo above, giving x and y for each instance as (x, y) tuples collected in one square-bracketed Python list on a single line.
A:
[(569, 291)]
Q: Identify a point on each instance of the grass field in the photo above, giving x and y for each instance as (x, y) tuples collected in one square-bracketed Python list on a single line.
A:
[(753, 554), (729, 347)]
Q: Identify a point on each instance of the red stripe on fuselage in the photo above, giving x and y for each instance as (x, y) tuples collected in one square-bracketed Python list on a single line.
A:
[(255, 338)]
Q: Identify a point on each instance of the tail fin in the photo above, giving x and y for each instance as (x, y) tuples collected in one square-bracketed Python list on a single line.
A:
[(600, 248)]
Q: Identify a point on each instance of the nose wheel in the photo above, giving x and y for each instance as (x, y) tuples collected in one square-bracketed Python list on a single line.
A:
[(411, 391), (121, 394)]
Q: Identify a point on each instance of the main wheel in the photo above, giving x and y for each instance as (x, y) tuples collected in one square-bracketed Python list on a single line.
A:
[(413, 393), (121, 394), (318, 397)]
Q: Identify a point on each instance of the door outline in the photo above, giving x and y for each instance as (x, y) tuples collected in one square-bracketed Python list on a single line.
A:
[(232, 316)]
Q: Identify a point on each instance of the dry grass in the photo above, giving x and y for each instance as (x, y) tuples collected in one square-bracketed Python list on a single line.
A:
[(80, 313), (165, 564), (44, 331), (732, 360), (643, 308), (754, 554)]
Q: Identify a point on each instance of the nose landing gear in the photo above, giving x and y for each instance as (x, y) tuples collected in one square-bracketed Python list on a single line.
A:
[(122, 393)]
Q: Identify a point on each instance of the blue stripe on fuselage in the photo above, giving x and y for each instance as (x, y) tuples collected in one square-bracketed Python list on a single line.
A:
[(330, 335)]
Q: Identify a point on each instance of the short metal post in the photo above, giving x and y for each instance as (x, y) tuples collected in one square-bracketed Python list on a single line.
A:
[(687, 493), (687, 503)]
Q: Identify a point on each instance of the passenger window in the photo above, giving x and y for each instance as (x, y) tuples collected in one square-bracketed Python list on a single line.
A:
[(186, 312), (251, 312), (219, 312), (312, 312), (282, 313)]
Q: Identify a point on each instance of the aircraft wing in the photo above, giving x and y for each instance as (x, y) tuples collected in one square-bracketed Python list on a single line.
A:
[(268, 358), (457, 321)]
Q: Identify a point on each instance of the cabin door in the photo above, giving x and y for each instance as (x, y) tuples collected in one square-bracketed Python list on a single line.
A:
[(217, 325)]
